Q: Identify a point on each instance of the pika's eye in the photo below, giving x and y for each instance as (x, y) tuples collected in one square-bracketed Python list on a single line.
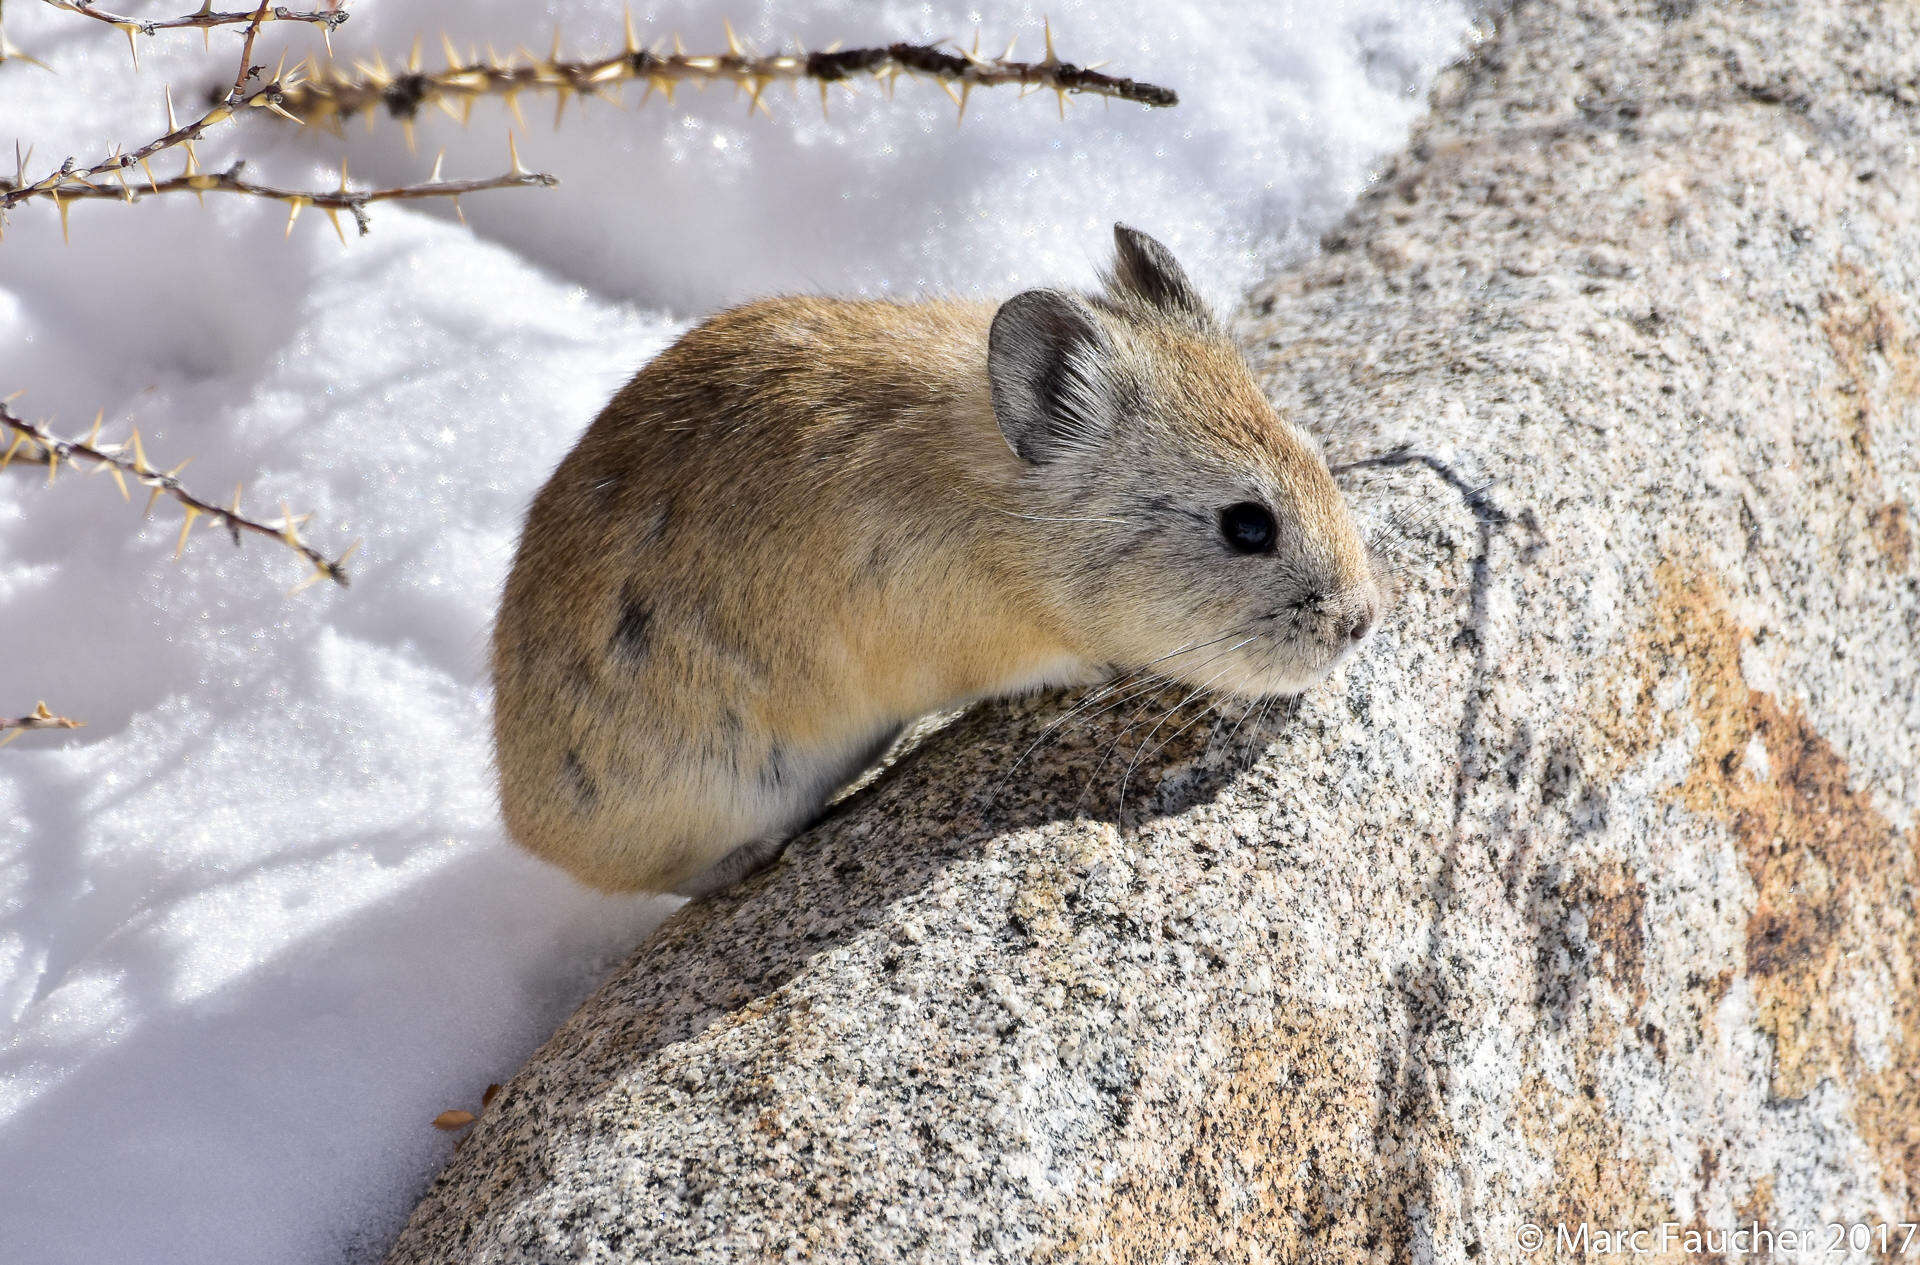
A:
[(1248, 527)]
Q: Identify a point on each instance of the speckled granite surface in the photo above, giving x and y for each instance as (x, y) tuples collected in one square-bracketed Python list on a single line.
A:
[(1588, 895)]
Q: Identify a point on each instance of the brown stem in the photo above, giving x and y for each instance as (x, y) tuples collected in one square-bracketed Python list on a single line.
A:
[(67, 181), (329, 93), (352, 201), (205, 19), (129, 459)]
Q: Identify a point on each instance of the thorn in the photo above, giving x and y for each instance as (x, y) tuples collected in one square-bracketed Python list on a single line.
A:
[(513, 156), (458, 213), (633, 45), (133, 45), (333, 218), (62, 207), (407, 130), (1011, 44), (562, 91), (295, 205), (554, 55), (513, 107), (1061, 93), (823, 98), (433, 177), (93, 435), (172, 126), (180, 546), (733, 41), (966, 90), (446, 46), (8, 52), (413, 56), (1047, 26)]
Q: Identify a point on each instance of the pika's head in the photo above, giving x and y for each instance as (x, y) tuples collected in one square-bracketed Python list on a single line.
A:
[(1184, 524)]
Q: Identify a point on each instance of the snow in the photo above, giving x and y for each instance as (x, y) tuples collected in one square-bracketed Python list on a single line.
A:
[(258, 921)]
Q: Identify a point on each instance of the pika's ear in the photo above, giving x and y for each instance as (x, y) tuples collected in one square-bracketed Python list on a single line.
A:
[(1048, 370), (1146, 272)]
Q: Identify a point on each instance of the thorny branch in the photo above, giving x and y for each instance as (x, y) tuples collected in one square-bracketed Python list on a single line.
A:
[(39, 718), (129, 459), (67, 184), (345, 198), (65, 179), (327, 94), (205, 19)]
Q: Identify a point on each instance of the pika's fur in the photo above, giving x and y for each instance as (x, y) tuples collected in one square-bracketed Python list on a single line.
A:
[(810, 521)]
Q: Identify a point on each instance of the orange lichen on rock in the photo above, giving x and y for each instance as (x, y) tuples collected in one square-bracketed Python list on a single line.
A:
[(1257, 1178), (1833, 941), (1879, 361)]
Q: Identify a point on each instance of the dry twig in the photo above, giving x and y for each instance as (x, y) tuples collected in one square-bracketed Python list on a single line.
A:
[(67, 179), (40, 718), (129, 459), (67, 183), (332, 202), (328, 93), (205, 19)]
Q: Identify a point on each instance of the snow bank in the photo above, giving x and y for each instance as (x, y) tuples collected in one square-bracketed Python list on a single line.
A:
[(258, 923)]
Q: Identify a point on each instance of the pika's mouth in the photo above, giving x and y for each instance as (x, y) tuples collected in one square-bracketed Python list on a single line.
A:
[(1290, 657)]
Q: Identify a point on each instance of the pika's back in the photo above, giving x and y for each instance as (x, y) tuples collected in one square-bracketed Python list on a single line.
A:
[(720, 559)]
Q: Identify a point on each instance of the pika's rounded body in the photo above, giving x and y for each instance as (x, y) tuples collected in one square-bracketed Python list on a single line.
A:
[(810, 521)]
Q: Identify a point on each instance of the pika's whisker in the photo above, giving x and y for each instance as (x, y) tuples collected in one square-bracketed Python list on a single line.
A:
[(1148, 681), (1127, 777)]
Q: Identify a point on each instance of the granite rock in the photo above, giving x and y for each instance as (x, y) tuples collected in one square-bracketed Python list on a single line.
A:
[(1585, 897)]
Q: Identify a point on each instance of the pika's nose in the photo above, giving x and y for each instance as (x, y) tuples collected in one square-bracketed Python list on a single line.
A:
[(1362, 623)]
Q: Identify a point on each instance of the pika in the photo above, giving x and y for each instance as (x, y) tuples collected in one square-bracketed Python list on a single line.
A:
[(811, 521)]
